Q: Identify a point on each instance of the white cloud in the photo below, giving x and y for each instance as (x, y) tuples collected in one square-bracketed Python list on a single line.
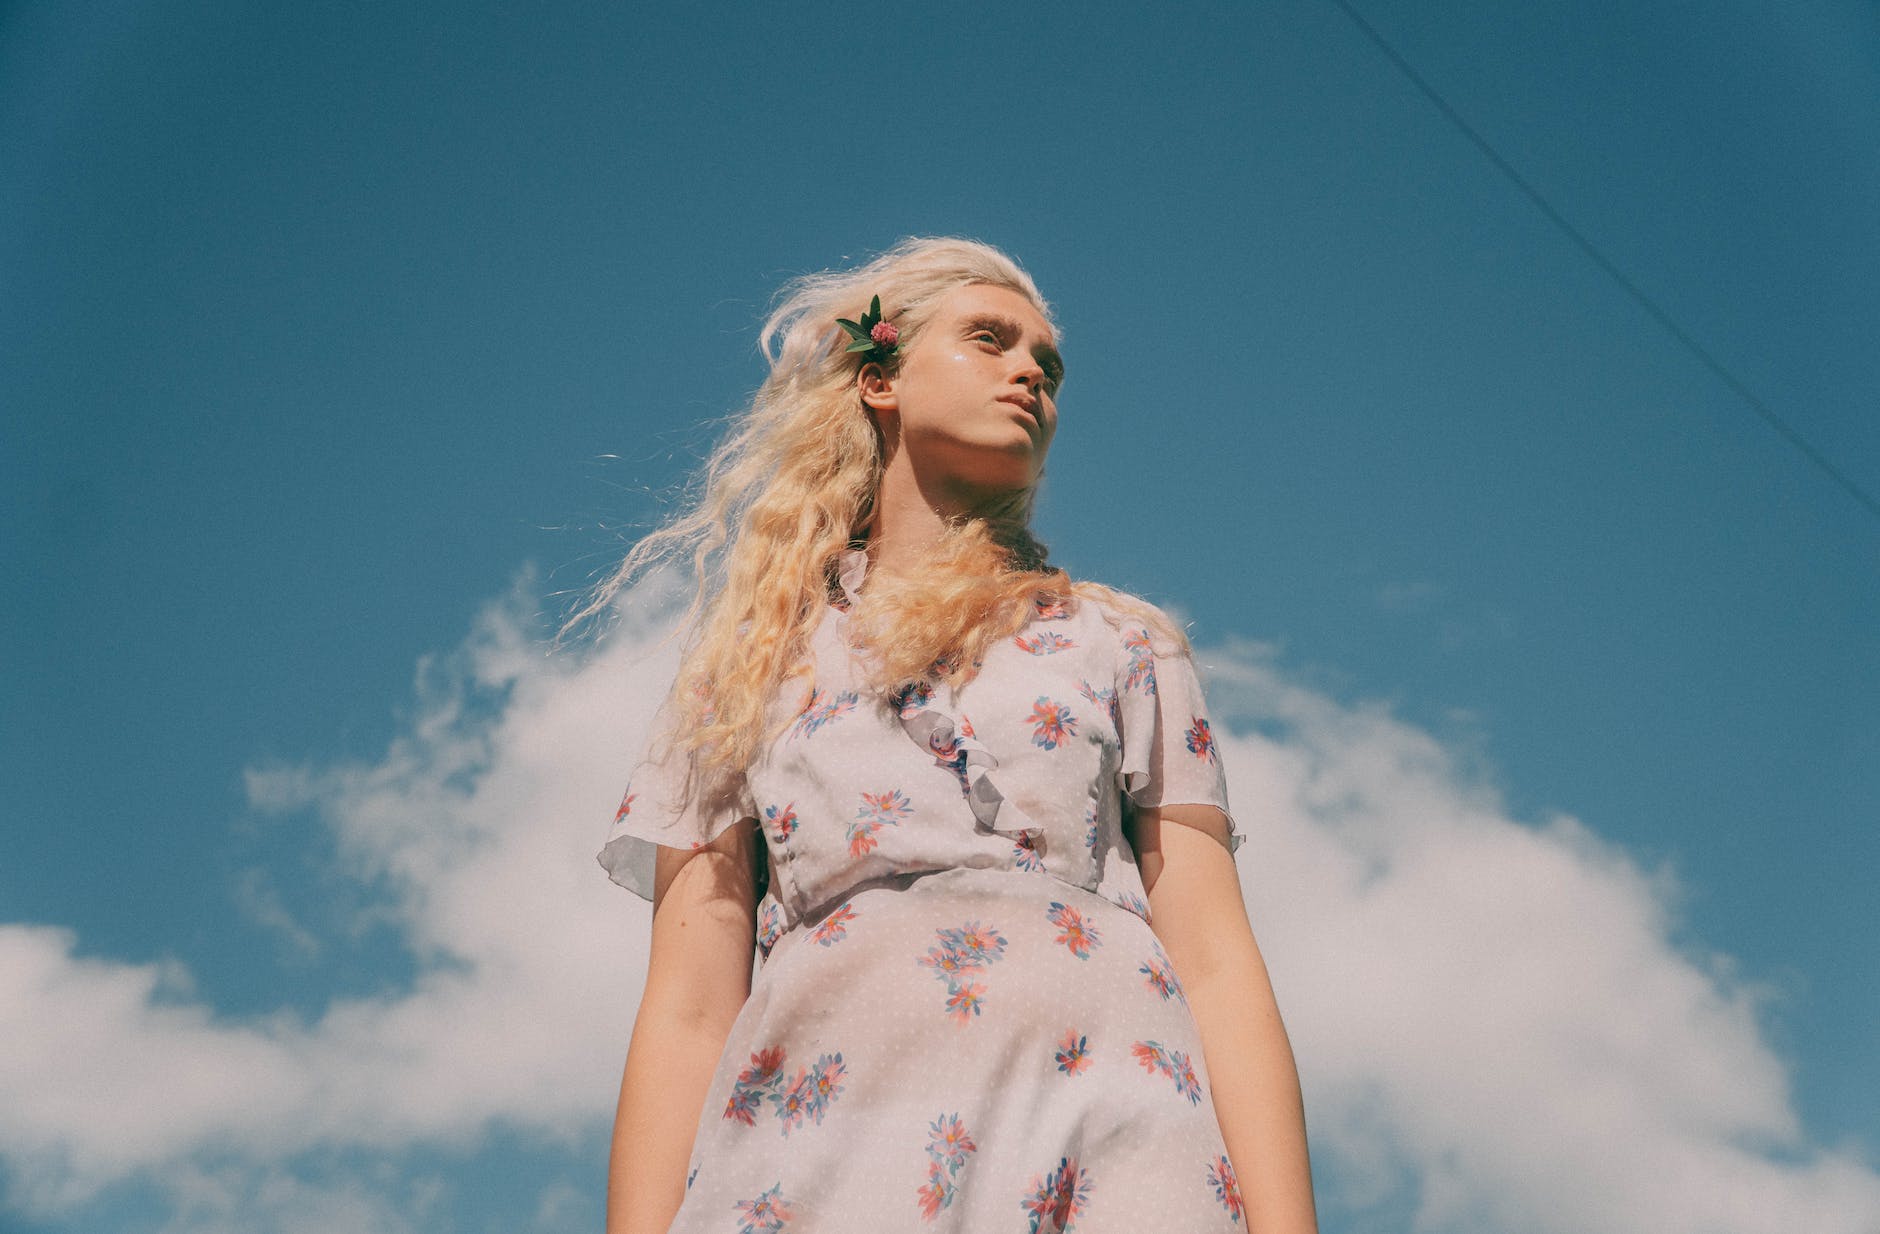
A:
[(260, 901), (242, 1198), (1491, 1017), (1492, 1021)]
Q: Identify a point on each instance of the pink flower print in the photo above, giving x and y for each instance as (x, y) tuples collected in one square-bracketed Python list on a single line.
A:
[(1049, 609), (1057, 1198), (826, 1082), (1141, 675), (626, 805), (809, 1094), (1226, 1187), (958, 953), (754, 1082), (978, 944), (949, 1141), (1047, 643), (936, 1193), (767, 1214), (948, 1145), (877, 810), (1076, 932), (966, 726), (1161, 975), (1152, 1057), (1186, 1082), (965, 999), (1201, 741), (806, 1096), (823, 706), (1135, 904), (1104, 697), (889, 807), (791, 1105), (781, 820), (769, 926), (1090, 824), (912, 698), (945, 963), (1052, 723), (1175, 1064), (833, 928), (1025, 852), (1073, 1053)]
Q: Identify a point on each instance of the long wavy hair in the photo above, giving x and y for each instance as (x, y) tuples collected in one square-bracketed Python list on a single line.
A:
[(794, 483)]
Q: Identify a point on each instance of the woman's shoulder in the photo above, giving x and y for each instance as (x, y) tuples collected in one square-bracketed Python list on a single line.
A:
[(1113, 605), (1130, 618)]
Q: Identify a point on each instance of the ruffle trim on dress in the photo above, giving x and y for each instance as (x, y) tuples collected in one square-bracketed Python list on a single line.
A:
[(930, 721), (933, 722)]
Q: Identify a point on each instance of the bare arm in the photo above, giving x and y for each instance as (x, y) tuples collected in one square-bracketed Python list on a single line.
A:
[(698, 976), (1201, 920)]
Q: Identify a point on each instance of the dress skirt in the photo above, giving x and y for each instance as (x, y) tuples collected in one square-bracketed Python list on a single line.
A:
[(972, 1050)]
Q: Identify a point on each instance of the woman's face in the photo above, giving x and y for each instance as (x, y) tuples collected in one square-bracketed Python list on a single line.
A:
[(974, 406)]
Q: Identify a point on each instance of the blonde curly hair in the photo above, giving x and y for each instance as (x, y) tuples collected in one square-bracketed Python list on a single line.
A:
[(794, 483)]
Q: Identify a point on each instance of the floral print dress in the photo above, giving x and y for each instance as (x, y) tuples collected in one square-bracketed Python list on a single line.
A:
[(961, 1018)]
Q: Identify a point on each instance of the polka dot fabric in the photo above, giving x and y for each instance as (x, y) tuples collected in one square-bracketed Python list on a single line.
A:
[(961, 1018)]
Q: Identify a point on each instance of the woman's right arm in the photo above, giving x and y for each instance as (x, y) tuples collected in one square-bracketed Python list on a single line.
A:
[(698, 976)]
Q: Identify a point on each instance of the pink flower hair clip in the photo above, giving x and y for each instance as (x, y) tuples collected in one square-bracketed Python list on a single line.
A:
[(879, 340)]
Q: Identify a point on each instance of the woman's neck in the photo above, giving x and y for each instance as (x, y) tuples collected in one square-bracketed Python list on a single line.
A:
[(905, 528)]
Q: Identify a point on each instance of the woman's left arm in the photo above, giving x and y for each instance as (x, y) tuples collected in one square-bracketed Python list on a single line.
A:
[(1201, 920)]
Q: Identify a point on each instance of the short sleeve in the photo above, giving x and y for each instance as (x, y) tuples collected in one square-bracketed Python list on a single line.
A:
[(1169, 752), (660, 807)]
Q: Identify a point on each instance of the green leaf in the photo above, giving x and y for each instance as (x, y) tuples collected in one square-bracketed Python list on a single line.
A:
[(851, 327), (862, 345)]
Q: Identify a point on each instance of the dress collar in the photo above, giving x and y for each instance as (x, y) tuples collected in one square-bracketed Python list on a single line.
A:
[(851, 568)]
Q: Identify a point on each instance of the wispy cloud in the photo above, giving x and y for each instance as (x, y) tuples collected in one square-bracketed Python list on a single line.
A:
[(1494, 1022)]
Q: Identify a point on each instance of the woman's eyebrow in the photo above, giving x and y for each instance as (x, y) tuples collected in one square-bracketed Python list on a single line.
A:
[(1007, 328)]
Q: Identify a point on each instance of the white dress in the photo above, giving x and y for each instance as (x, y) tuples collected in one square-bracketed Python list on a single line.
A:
[(961, 1018)]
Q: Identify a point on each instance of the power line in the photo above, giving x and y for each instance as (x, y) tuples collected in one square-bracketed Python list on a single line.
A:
[(1646, 302)]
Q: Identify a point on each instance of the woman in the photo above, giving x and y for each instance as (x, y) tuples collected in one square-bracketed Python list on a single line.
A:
[(923, 783)]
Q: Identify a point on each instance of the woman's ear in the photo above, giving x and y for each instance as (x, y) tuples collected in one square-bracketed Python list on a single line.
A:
[(877, 388)]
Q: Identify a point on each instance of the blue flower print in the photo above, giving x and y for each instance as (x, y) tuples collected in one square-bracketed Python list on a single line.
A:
[(1200, 741), (1141, 675), (1057, 1198), (1104, 697), (959, 955), (877, 810), (1052, 723), (948, 1145), (823, 706), (781, 821), (1161, 976), (767, 1214), (1175, 1064)]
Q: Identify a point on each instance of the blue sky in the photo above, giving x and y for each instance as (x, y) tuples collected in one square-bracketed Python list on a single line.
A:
[(341, 345)]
